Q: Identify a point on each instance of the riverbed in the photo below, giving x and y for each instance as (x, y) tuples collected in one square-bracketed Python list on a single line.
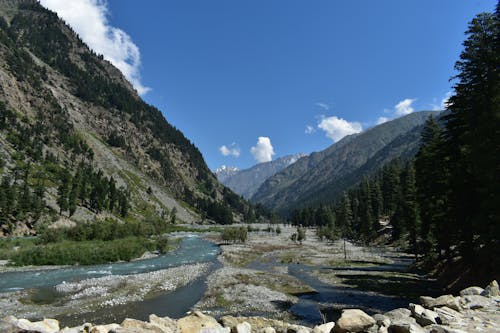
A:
[(269, 275), (167, 285)]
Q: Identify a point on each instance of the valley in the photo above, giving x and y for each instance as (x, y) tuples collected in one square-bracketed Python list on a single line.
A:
[(269, 275), (108, 211)]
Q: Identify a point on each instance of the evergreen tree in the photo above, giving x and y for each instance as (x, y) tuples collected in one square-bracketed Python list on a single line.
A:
[(473, 140), (431, 183)]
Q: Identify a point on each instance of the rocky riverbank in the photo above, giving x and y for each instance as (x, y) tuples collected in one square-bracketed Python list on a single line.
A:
[(474, 310)]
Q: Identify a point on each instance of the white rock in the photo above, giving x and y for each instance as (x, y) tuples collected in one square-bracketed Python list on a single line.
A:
[(424, 316), (324, 328), (269, 330), (243, 327), (43, 326), (471, 291), (353, 320), (168, 325), (104, 328), (444, 300), (448, 316), (475, 302)]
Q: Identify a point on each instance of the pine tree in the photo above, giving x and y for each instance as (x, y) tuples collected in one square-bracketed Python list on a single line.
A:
[(473, 138), (431, 183)]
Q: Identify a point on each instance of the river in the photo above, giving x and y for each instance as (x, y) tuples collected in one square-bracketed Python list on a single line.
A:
[(192, 250)]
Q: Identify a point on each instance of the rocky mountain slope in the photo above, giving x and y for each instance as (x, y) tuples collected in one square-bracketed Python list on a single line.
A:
[(322, 176), (246, 182), (63, 109)]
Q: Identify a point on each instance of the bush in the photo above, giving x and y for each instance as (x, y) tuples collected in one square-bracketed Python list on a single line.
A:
[(83, 253), (233, 235)]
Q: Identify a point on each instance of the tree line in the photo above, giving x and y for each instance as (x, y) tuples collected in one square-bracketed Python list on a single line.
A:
[(445, 201)]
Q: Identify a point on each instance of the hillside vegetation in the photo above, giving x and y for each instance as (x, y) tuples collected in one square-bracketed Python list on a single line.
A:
[(77, 144)]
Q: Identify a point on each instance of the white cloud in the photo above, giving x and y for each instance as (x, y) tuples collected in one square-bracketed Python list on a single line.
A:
[(227, 151), (324, 106), (89, 20), (444, 101), (336, 128), (382, 120), (404, 107), (309, 129), (263, 150)]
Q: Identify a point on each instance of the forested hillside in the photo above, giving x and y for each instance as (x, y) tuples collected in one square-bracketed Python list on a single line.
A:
[(79, 144), (442, 205), (322, 177)]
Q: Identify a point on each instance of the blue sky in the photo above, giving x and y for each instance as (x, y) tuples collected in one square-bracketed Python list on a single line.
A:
[(238, 77)]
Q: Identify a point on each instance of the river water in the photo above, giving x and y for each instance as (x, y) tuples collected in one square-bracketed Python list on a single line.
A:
[(191, 250), (310, 308)]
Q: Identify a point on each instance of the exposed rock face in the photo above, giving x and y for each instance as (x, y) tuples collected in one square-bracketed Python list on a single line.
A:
[(353, 320), (473, 313)]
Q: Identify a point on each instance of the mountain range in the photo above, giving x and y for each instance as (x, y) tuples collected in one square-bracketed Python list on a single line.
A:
[(322, 176), (246, 182)]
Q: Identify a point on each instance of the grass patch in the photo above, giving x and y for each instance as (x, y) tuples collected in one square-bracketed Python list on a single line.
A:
[(83, 253), (220, 301)]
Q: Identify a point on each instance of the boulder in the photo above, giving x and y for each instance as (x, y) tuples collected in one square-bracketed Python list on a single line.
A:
[(353, 320), (424, 316), (243, 327), (324, 328), (268, 330), (167, 324), (297, 329), (141, 326), (43, 326), (6, 327), (400, 314), (471, 291), (382, 320), (401, 322), (474, 302), (491, 290), (197, 321), (104, 328), (444, 300), (448, 316)]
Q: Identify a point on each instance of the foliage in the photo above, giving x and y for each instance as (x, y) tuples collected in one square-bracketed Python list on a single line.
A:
[(83, 253), (234, 234)]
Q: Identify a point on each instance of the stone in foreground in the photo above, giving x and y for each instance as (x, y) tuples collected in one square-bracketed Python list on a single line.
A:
[(424, 316), (197, 321), (353, 320)]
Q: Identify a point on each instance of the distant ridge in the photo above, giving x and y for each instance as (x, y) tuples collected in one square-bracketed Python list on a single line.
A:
[(323, 176), (246, 182)]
